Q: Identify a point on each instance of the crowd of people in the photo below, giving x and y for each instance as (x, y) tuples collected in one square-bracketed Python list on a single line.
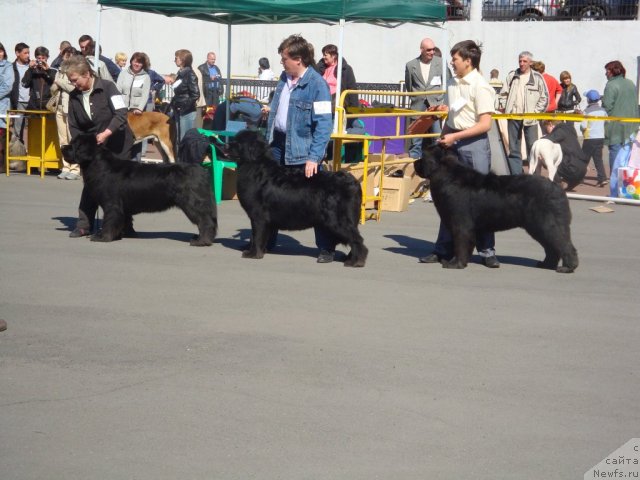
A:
[(95, 95)]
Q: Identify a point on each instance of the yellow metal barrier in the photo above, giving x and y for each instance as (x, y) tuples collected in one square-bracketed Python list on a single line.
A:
[(43, 147), (340, 138)]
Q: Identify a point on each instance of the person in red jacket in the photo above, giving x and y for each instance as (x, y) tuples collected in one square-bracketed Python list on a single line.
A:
[(553, 86)]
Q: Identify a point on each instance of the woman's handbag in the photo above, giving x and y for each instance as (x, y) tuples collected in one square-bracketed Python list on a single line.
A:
[(54, 101), (52, 104)]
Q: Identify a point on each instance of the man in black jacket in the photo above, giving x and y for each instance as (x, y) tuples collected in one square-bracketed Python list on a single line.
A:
[(212, 87)]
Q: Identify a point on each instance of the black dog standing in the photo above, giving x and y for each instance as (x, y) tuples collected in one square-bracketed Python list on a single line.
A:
[(468, 201), (124, 188), (278, 198)]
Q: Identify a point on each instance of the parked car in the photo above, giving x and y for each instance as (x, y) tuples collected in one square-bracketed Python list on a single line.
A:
[(521, 10), (599, 9)]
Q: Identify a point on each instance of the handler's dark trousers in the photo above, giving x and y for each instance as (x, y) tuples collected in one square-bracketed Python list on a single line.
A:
[(476, 153), (324, 240)]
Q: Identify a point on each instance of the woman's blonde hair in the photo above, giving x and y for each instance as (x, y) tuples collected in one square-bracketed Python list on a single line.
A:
[(120, 56)]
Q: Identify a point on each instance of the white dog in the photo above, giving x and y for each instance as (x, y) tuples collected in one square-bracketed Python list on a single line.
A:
[(545, 153)]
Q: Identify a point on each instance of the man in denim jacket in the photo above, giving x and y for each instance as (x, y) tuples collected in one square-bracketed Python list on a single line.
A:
[(300, 120)]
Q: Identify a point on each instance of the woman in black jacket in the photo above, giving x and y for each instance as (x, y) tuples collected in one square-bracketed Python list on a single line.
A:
[(185, 93), (97, 107), (328, 68), (569, 98)]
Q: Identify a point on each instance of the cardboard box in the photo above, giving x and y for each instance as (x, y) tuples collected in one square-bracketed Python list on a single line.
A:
[(373, 178), (395, 194), (408, 170)]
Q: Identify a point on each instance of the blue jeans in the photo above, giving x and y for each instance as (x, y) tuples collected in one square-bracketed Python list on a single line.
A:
[(475, 153), (186, 122), (415, 150), (514, 130), (613, 153), (324, 240)]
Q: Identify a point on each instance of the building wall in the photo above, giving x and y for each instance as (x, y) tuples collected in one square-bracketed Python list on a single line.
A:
[(377, 54)]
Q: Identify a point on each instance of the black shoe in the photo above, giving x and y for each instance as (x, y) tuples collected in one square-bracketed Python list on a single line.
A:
[(602, 183), (80, 232), (325, 256), (432, 258), (491, 262)]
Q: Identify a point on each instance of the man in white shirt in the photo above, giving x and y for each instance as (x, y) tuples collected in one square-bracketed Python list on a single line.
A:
[(471, 102)]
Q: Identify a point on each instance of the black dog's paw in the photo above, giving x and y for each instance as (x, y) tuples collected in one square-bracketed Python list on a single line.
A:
[(198, 241), (351, 262), (547, 265), (254, 255), (563, 269), (453, 263), (98, 237)]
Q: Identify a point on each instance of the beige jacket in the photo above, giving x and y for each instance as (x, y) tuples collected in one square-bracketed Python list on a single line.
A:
[(536, 94), (64, 87)]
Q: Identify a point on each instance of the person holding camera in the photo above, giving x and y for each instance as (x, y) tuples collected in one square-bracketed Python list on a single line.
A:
[(38, 79)]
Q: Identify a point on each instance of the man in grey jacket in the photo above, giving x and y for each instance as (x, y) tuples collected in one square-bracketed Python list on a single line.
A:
[(526, 92), (424, 74)]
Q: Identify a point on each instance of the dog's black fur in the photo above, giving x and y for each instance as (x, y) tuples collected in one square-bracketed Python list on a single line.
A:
[(276, 197), (124, 188), (468, 201)]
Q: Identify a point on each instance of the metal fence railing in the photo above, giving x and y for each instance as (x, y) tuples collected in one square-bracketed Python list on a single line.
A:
[(261, 89)]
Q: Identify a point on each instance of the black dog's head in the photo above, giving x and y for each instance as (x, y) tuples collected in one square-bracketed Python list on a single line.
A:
[(82, 149), (248, 146), (433, 158)]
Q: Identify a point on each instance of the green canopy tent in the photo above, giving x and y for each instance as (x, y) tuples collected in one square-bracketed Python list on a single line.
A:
[(386, 13)]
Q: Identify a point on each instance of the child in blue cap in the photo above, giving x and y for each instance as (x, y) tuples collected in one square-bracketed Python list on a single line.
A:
[(593, 132)]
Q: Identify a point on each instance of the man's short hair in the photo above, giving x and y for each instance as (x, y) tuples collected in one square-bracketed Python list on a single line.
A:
[(297, 47), (527, 54), (84, 38), (468, 49), (20, 46), (64, 44), (41, 52)]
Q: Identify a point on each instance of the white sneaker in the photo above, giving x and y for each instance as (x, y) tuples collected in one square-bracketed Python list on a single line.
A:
[(72, 176), (63, 175)]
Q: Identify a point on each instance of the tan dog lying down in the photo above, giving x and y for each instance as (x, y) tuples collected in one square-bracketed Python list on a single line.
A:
[(157, 126)]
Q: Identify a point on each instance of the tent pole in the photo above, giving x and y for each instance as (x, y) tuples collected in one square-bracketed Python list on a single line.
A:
[(228, 93), (96, 57), (445, 52), (339, 74)]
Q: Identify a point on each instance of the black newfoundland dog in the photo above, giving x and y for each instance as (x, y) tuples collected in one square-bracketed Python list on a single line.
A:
[(468, 201), (124, 188), (276, 197)]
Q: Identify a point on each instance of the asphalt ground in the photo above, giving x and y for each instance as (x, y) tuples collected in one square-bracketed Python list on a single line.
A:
[(149, 359)]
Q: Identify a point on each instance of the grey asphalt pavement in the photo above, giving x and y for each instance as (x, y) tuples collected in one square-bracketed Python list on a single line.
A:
[(150, 359)]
